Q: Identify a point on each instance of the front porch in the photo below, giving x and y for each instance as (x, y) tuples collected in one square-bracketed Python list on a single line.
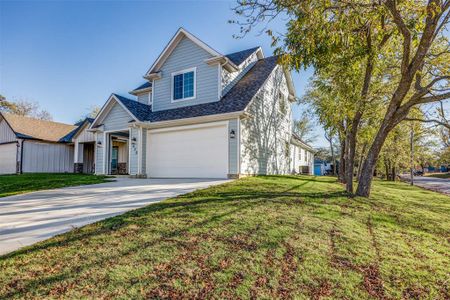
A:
[(117, 160)]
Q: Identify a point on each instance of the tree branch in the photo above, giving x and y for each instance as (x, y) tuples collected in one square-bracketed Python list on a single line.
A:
[(398, 20), (429, 121)]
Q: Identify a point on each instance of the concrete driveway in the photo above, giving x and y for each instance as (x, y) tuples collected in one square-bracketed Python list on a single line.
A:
[(441, 185), (29, 218)]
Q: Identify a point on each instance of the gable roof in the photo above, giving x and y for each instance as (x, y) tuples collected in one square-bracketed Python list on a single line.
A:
[(139, 110), (237, 99), (80, 125), (179, 35), (239, 57), (30, 128), (114, 98)]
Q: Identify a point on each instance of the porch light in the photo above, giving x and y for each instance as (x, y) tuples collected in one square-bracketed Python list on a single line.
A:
[(133, 139), (99, 143), (232, 134)]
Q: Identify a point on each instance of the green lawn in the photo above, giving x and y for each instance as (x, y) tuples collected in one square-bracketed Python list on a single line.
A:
[(24, 183), (439, 175), (260, 237)]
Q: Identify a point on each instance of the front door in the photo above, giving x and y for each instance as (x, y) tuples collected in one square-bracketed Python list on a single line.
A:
[(114, 159)]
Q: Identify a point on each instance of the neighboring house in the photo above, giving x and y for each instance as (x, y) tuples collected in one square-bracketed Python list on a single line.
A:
[(302, 160), (29, 145), (322, 167), (202, 114)]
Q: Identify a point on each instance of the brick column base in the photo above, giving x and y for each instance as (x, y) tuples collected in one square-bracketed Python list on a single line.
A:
[(122, 169), (78, 168)]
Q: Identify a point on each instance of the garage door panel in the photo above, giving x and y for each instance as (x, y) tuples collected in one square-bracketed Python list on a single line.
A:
[(8, 158), (201, 153)]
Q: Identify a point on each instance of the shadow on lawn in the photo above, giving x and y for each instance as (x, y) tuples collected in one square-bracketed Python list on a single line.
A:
[(214, 201), (243, 199)]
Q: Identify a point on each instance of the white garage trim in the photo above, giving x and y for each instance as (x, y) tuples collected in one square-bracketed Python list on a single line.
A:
[(193, 151), (188, 127)]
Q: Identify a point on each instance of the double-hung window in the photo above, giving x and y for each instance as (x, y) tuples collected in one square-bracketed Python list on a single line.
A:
[(183, 85)]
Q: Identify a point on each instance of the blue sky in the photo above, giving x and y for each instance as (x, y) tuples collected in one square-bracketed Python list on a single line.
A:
[(71, 55)]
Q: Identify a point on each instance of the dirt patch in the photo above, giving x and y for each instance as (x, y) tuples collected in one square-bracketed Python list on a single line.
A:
[(372, 281), (415, 292), (167, 273), (373, 238), (289, 267), (324, 289), (239, 242)]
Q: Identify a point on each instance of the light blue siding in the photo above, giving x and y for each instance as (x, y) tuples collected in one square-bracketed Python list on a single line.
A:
[(144, 98), (144, 151), (117, 118), (233, 145), (186, 55), (99, 153), (134, 151)]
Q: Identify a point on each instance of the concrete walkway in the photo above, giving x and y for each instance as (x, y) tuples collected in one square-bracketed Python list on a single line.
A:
[(440, 185), (28, 218)]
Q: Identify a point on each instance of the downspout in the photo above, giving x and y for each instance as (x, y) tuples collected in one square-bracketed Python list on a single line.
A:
[(21, 156)]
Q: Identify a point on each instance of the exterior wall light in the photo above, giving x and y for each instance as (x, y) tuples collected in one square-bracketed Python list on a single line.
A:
[(232, 134), (99, 143), (133, 139)]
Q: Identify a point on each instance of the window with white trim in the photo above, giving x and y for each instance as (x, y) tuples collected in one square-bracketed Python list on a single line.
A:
[(183, 85)]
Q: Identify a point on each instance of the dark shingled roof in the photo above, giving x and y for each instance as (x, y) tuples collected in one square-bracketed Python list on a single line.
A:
[(143, 86), (238, 57), (235, 100), (68, 138), (140, 110)]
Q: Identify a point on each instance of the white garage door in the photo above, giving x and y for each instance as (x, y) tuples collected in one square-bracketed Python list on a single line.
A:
[(188, 152), (8, 154)]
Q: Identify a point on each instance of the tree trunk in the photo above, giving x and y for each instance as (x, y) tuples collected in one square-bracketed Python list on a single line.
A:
[(394, 173), (386, 168), (351, 148), (333, 158), (342, 162), (365, 180), (363, 151), (350, 162)]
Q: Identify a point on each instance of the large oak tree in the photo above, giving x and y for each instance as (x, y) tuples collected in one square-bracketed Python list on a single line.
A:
[(400, 42)]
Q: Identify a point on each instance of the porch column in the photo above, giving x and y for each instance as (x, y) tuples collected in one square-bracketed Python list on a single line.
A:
[(78, 157)]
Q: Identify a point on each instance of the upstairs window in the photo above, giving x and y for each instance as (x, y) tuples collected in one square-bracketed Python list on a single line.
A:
[(183, 85)]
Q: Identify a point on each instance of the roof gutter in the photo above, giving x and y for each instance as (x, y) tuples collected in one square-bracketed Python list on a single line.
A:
[(224, 61), (301, 144), (140, 91)]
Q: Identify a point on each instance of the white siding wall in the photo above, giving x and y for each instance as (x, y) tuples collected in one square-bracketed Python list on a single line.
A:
[(41, 157), (265, 137), (6, 133), (299, 159), (186, 55)]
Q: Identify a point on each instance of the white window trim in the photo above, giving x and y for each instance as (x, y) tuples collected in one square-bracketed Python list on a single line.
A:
[(194, 69)]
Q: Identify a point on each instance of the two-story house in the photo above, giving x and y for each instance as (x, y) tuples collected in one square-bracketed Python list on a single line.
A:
[(202, 114)]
